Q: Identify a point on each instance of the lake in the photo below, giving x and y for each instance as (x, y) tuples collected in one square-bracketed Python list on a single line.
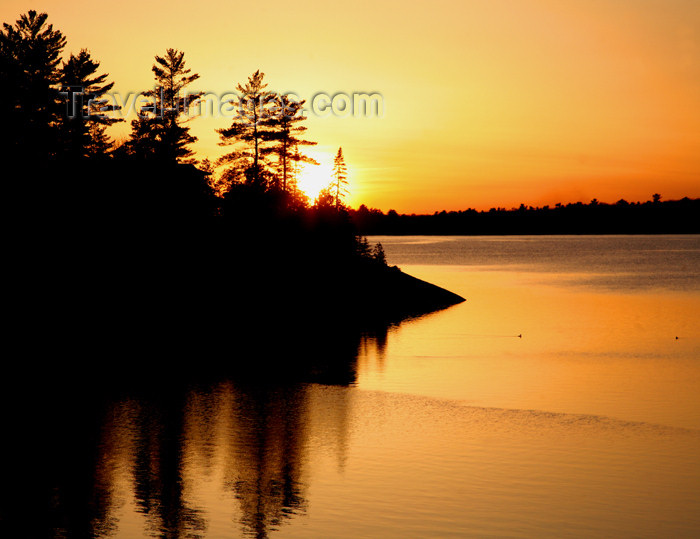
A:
[(561, 399)]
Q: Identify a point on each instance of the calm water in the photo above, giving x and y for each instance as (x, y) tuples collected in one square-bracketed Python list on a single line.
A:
[(562, 399)]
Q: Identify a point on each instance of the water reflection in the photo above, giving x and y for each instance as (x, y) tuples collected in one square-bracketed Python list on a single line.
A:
[(267, 455), (156, 466), (153, 456), (154, 452)]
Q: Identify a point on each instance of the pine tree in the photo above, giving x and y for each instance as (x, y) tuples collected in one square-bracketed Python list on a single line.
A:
[(339, 178), (378, 254), (30, 105), (99, 143), (158, 132), (293, 178), (248, 132), (283, 127), (85, 119)]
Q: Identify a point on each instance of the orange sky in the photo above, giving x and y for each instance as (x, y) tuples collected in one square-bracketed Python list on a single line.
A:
[(486, 102)]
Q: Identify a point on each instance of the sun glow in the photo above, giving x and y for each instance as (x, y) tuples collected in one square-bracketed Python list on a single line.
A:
[(314, 178)]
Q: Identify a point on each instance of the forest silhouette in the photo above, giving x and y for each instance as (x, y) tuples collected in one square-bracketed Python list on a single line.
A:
[(654, 216), (138, 242), (138, 282)]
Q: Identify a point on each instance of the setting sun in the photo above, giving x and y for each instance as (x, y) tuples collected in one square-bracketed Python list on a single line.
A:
[(314, 178)]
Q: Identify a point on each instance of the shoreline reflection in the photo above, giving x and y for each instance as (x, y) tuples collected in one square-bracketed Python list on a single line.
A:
[(149, 453)]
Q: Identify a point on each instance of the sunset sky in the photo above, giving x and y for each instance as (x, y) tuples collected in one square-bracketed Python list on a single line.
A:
[(486, 102)]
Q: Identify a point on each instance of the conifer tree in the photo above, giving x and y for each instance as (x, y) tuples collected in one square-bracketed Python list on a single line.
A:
[(339, 178), (158, 132), (30, 53), (283, 127), (85, 119), (248, 131)]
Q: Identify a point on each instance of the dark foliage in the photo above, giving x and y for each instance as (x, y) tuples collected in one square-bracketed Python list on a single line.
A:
[(159, 133), (30, 104), (651, 217), (83, 123)]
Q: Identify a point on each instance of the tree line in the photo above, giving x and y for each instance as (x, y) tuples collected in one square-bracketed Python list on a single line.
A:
[(651, 217), (56, 114), (141, 226), (57, 110)]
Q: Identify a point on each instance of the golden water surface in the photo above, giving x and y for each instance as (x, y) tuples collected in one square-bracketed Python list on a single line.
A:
[(557, 401)]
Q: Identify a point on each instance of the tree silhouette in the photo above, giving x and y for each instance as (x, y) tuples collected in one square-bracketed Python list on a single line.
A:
[(29, 102), (158, 131), (283, 127), (248, 131), (378, 253), (85, 119), (339, 177), (325, 198), (293, 176)]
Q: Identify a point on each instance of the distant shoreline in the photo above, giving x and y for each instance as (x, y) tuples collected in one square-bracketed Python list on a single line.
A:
[(596, 218), (544, 234)]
